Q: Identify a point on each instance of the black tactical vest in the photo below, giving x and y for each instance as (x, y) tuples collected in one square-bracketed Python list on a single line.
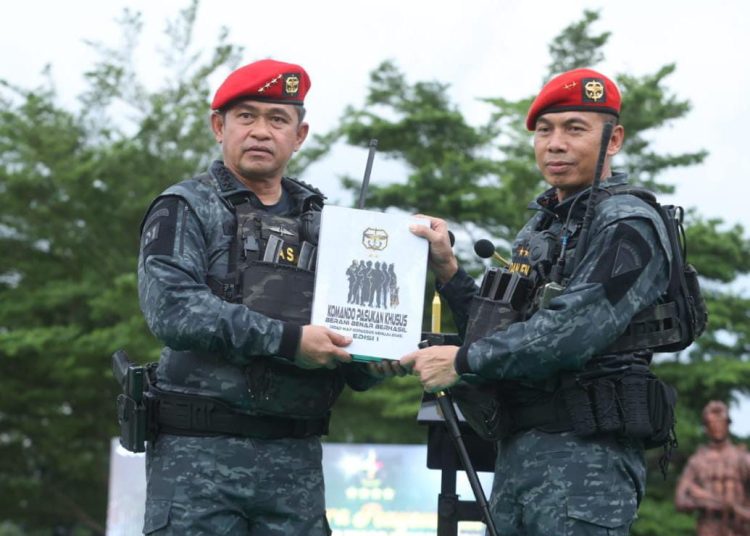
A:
[(271, 271), (616, 393), (275, 265)]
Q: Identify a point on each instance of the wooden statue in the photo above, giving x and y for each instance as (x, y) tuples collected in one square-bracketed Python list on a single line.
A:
[(716, 480)]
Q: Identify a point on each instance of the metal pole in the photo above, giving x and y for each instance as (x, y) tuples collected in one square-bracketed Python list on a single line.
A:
[(368, 170), (451, 421)]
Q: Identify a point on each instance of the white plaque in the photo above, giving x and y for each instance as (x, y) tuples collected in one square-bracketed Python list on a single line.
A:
[(370, 281)]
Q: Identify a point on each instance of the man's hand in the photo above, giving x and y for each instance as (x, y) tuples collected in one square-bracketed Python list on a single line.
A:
[(321, 347), (434, 365), (442, 261), (387, 368)]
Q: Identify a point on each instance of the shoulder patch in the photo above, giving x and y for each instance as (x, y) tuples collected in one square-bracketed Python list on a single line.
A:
[(160, 227), (619, 269)]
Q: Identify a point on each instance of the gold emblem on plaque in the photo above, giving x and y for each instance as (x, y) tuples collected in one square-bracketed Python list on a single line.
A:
[(375, 239)]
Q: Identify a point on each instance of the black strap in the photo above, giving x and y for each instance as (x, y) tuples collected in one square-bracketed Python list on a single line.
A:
[(223, 289), (548, 416), (654, 327), (179, 414)]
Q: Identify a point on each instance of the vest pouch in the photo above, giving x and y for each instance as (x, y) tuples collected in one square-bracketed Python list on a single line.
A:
[(280, 291), (487, 316), (662, 398), (278, 387), (634, 395), (606, 406), (697, 305), (578, 405), (482, 408)]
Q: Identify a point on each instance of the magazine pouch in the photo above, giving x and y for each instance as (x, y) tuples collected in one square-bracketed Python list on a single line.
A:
[(487, 316)]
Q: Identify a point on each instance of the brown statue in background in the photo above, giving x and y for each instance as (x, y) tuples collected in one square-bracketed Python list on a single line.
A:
[(716, 480)]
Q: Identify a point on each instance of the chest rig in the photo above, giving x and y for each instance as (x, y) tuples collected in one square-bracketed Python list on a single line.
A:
[(536, 273), (616, 393), (272, 256), (271, 270)]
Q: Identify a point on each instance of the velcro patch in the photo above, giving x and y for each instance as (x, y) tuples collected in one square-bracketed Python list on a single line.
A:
[(160, 228), (618, 270)]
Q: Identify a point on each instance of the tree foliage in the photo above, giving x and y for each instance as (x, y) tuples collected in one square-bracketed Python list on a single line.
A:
[(75, 185)]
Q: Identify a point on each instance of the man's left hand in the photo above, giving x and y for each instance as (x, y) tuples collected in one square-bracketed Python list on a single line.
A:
[(434, 365), (386, 368)]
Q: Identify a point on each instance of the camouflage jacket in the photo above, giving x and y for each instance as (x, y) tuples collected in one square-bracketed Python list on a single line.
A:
[(625, 268), (213, 347)]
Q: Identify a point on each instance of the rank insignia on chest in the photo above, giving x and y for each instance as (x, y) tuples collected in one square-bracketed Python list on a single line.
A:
[(520, 262)]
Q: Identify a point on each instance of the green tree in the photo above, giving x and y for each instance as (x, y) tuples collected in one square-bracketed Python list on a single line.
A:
[(74, 186), (486, 175)]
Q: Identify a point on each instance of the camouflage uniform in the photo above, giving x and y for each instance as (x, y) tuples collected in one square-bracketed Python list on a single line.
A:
[(226, 351), (550, 481)]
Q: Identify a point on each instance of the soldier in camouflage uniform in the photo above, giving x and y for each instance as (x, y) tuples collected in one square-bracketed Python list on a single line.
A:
[(548, 479), (244, 384)]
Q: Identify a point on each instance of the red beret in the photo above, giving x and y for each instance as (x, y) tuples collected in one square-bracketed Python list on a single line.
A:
[(264, 80), (579, 89)]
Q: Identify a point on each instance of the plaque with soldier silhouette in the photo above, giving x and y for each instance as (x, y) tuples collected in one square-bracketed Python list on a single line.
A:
[(369, 281)]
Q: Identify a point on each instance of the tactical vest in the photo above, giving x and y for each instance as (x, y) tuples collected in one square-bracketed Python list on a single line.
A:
[(511, 295), (271, 271), (616, 393), (271, 264), (680, 316)]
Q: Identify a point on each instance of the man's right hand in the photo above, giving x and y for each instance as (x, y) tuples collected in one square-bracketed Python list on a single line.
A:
[(442, 260), (321, 347)]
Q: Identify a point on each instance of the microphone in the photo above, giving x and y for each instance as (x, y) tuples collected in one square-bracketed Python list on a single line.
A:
[(486, 249), (452, 238)]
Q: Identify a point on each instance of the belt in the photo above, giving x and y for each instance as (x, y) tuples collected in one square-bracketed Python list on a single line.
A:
[(548, 416), (179, 414)]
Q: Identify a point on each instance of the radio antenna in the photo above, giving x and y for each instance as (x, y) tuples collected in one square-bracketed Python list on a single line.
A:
[(368, 170)]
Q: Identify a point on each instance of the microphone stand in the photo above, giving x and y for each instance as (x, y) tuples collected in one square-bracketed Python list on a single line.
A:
[(445, 402), (443, 397)]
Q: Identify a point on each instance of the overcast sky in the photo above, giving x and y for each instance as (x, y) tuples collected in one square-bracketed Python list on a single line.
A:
[(481, 48)]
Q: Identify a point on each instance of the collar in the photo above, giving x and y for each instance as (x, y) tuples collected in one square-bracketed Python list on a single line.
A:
[(235, 192), (548, 202)]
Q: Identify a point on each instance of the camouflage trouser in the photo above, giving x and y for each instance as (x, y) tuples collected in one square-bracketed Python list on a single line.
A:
[(563, 485), (232, 486)]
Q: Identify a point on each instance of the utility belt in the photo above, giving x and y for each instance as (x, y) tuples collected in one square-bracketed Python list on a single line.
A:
[(616, 394), (631, 402), (144, 411), (180, 414)]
